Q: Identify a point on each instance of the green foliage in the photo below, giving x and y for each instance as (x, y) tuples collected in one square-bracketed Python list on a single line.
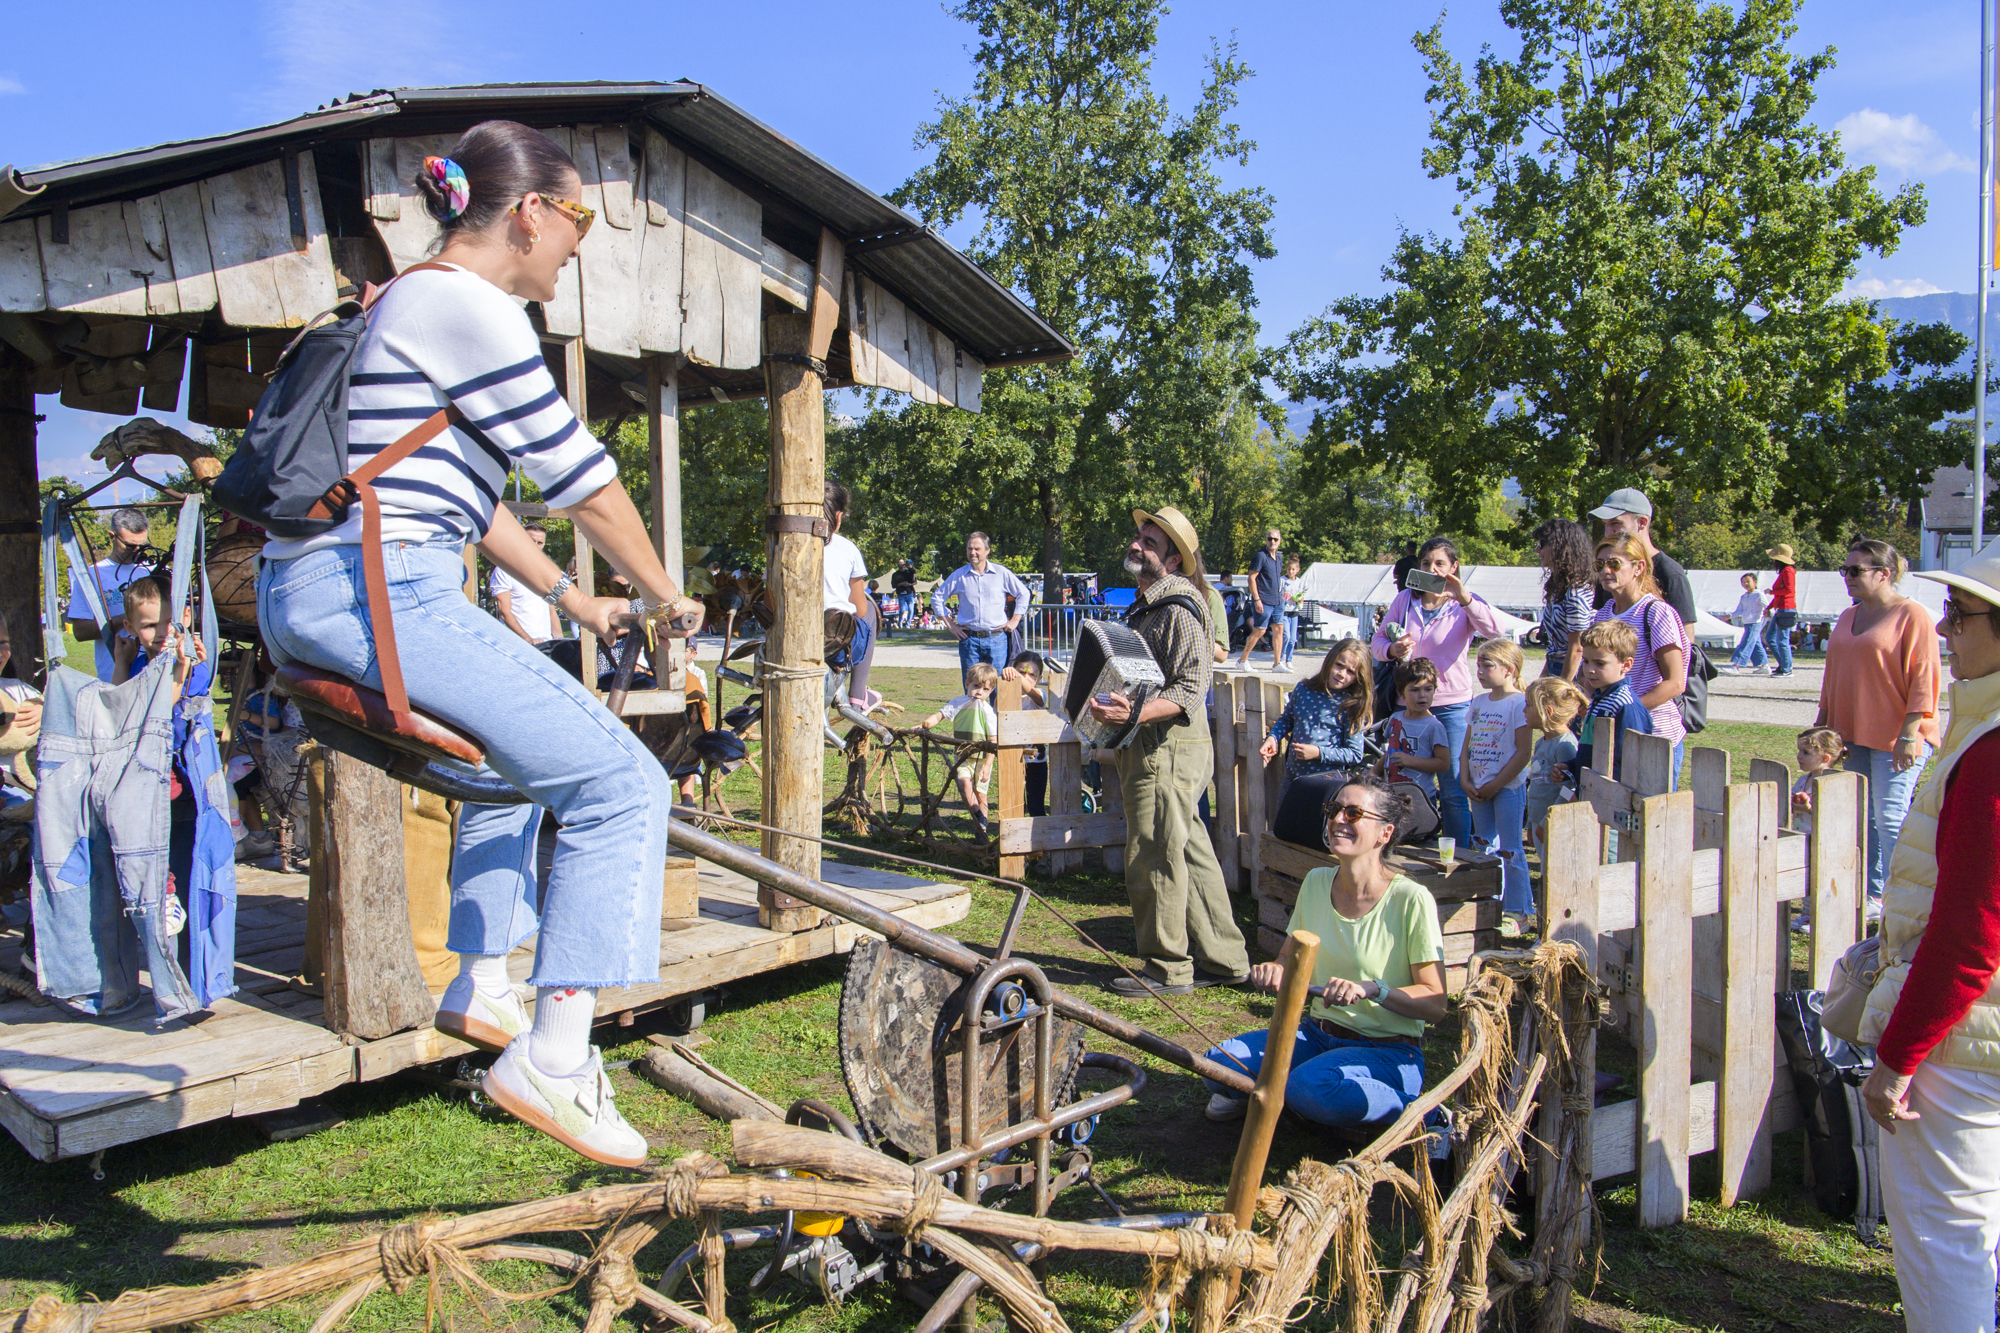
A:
[(1645, 287), (1108, 214), (1710, 534)]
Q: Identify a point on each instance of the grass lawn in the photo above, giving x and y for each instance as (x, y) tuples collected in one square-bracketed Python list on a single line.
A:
[(216, 1199)]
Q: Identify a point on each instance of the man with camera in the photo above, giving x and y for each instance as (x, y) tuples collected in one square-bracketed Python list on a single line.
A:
[(131, 538)]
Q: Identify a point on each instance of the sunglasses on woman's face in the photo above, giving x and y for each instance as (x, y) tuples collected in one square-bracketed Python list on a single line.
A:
[(1856, 571), (1956, 615), (580, 216), (1353, 814), (1612, 563)]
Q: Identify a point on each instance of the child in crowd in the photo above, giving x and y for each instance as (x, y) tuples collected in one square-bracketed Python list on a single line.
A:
[(973, 718), (1553, 705), (1027, 667), (1608, 649), (1493, 768), (147, 631), (1820, 748), (1325, 716), (1417, 747)]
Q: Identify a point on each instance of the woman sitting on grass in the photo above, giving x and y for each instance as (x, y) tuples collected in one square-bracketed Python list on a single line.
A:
[(1359, 1056), (1325, 716)]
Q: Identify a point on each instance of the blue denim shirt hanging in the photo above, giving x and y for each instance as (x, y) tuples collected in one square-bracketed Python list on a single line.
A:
[(208, 881)]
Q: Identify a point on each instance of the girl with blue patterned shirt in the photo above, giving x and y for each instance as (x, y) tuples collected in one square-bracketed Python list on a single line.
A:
[(1325, 716)]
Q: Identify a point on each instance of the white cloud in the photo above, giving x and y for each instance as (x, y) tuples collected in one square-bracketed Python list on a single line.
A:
[(1875, 289), (318, 52), (11, 86), (1902, 144)]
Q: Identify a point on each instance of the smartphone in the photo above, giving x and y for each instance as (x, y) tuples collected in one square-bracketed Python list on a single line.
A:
[(1418, 580)]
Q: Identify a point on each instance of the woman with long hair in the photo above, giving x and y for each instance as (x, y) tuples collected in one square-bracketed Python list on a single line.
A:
[(1659, 670), (1325, 716), (1441, 625), (454, 334), (1880, 692), (1568, 600)]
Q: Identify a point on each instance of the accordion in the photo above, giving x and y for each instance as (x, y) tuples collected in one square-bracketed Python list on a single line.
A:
[(1111, 658)]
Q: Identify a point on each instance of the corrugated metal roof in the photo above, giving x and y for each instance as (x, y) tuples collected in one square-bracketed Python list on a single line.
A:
[(919, 266)]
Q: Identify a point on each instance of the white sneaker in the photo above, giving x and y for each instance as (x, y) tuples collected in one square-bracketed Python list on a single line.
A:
[(575, 1110), (1223, 1107), (471, 1015)]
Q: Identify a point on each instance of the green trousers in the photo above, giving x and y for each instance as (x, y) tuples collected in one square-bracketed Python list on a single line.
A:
[(1180, 906)]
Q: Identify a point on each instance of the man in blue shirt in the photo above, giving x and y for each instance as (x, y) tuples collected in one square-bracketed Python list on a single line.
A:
[(982, 624), (1267, 600)]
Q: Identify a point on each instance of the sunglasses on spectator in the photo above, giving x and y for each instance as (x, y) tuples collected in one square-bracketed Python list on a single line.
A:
[(1856, 571), (1612, 563), (579, 214), (1955, 615), (1353, 814)]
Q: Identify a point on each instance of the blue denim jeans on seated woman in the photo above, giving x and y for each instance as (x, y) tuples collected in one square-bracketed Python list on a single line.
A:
[(1453, 809), (1346, 1084), (1889, 796), (543, 732)]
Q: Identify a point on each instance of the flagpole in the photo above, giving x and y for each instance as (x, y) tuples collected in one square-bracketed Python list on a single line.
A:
[(1986, 244)]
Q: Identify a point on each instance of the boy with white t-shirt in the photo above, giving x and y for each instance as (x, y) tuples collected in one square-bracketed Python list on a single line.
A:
[(518, 607)]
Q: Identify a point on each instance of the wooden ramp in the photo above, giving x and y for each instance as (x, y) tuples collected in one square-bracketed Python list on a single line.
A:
[(71, 1085)]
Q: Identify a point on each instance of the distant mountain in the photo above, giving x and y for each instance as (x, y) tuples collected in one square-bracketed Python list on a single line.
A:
[(1958, 309)]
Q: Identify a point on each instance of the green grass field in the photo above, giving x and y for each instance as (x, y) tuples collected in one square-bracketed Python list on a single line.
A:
[(217, 1199)]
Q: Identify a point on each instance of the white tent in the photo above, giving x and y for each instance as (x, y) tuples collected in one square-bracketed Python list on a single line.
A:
[(1707, 629)]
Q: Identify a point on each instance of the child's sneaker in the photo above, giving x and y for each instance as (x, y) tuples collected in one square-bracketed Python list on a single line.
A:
[(489, 1022), (1439, 1140), (575, 1110), (1222, 1107)]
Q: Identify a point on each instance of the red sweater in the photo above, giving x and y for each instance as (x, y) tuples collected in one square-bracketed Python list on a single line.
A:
[(1960, 949), (1784, 594)]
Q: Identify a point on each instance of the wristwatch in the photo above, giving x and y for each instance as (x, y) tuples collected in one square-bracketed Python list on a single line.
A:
[(554, 595)]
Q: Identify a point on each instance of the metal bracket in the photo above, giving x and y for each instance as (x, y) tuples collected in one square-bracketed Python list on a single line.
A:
[(812, 363), (1626, 821), (815, 524)]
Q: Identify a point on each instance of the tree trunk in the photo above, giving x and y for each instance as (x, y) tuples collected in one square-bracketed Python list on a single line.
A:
[(1053, 588), (369, 973), (20, 551)]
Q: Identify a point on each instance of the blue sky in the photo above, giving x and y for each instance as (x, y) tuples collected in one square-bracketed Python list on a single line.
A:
[(1336, 106)]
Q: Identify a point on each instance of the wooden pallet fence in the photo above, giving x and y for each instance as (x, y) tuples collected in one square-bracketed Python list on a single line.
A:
[(1682, 901)]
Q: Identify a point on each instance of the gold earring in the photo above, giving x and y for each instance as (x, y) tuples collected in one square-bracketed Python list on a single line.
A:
[(534, 238)]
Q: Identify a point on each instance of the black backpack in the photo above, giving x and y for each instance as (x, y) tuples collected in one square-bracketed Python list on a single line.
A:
[(289, 475)]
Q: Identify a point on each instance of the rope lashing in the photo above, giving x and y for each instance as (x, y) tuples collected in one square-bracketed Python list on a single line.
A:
[(926, 1194), (408, 1252), (681, 1182)]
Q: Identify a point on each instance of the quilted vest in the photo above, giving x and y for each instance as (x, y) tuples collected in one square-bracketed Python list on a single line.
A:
[(1906, 899)]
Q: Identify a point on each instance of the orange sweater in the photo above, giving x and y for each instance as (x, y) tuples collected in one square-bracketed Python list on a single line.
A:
[(1873, 680)]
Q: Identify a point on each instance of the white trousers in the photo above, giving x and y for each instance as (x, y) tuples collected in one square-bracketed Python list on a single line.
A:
[(1941, 1189)]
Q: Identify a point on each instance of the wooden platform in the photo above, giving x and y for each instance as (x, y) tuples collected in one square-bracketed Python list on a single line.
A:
[(71, 1085)]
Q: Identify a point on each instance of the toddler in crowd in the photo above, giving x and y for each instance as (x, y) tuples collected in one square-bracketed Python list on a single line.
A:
[(1608, 649), (1820, 748), (1493, 769), (973, 718), (1553, 705), (1027, 667), (147, 631), (1416, 748)]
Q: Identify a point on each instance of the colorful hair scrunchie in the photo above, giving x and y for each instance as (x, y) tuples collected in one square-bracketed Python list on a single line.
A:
[(451, 179)]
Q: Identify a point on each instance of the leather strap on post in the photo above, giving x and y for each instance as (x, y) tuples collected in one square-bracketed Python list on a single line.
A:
[(816, 524)]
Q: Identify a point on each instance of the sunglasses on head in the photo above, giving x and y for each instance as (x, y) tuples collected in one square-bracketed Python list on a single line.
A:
[(579, 214), (1352, 814), (1856, 571)]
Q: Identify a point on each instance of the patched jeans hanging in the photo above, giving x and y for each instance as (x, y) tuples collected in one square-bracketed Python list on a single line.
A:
[(103, 827)]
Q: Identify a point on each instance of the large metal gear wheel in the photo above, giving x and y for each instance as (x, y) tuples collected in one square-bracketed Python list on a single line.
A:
[(906, 1093)]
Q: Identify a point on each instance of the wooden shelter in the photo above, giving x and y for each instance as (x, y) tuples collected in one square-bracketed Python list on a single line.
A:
[(727, 263)]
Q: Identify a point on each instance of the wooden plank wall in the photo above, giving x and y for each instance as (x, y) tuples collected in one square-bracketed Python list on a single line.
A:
[(893, 347)]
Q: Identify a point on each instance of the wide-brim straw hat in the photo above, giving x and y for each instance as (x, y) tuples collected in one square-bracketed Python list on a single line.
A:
[(1175, 524), (1979, 576), (1782, 553)]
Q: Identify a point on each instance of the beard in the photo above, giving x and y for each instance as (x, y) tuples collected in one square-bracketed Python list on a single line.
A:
[(1134, 565)]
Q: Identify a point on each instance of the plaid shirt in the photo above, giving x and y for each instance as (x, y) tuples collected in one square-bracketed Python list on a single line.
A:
[(1181, 645)]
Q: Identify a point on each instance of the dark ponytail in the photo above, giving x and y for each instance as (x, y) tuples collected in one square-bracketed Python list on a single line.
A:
[(501, 161)]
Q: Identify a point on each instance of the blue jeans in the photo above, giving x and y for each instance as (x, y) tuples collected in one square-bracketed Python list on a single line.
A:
[(1346, 1084), (1291, 635), (1778, 638), (990, 647), (1750, 648), (599, 921), (1497, 828), (1889, 797), (1452, 807), (906, 606)]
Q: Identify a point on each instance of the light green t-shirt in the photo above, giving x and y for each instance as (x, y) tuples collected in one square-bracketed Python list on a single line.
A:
[(1398, 933), (1218, 618)]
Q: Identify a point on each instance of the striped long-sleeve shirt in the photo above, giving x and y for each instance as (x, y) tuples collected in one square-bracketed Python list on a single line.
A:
[(439, 337)]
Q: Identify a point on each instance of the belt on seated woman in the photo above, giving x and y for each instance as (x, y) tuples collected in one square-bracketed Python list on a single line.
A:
[(1333, 1029)]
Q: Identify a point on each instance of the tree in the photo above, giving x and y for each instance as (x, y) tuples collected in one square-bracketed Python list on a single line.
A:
[(1107, 213), (1645, 287)]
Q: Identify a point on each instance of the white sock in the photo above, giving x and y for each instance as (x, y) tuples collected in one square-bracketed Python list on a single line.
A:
[(560, 1039), (488, 972)]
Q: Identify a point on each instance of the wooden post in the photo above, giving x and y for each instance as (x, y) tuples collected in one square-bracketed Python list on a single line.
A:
[(1112, 802), (663, 459), (20, 508), (1666, 958), (370, 977), (1066, 797), (1223, 719), (1267, 1103), (1256, 818), (1709, 783), (794, 708), (1750, 980), (1769, 770), (1835, 865), (1569, 914), (576, 376), (1010, 779)]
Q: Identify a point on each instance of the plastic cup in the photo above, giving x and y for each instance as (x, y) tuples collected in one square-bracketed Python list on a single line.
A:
[(1448, 850)]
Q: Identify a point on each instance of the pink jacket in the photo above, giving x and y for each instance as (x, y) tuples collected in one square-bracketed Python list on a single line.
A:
[(1444, 641)]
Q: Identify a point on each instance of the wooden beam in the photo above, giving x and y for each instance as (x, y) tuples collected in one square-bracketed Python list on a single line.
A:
[(794, 708), (786, 276), (827, 279), (576, 383), (371, 980), (1060, 832), (1227, 817), (1666, 959), (1749, 1020), (1839, 836), (20, 551), (663, 458)]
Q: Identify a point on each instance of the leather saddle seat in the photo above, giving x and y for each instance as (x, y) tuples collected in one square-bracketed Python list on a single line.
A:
[(346, 703)]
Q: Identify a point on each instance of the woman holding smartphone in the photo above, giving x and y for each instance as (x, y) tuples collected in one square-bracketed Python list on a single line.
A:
[(1437, 618)]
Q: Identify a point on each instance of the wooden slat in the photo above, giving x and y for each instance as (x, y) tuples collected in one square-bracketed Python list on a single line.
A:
[(1036, 726), (1256, 816), (1665, 951), (1569, 914), (1112, 793), (1066, 803), (829, 274), (562, 314), (378, 170), (861, 355), (1010, 782), (1747, 925), (786, 276), (722, 281), (611, 257), (21, 287), (99, 271), (1770, 770), (971, 370), (1615, 1134), (660, 255), (1054, 833), (616, 174), (1228, 819), (261, 280), (1709, 783), (1839, 804), (405, 225), (187, 246)]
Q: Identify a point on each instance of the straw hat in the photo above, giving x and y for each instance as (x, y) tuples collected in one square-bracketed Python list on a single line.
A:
[(1175, 524), (1979, 576), (1782, 553)]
